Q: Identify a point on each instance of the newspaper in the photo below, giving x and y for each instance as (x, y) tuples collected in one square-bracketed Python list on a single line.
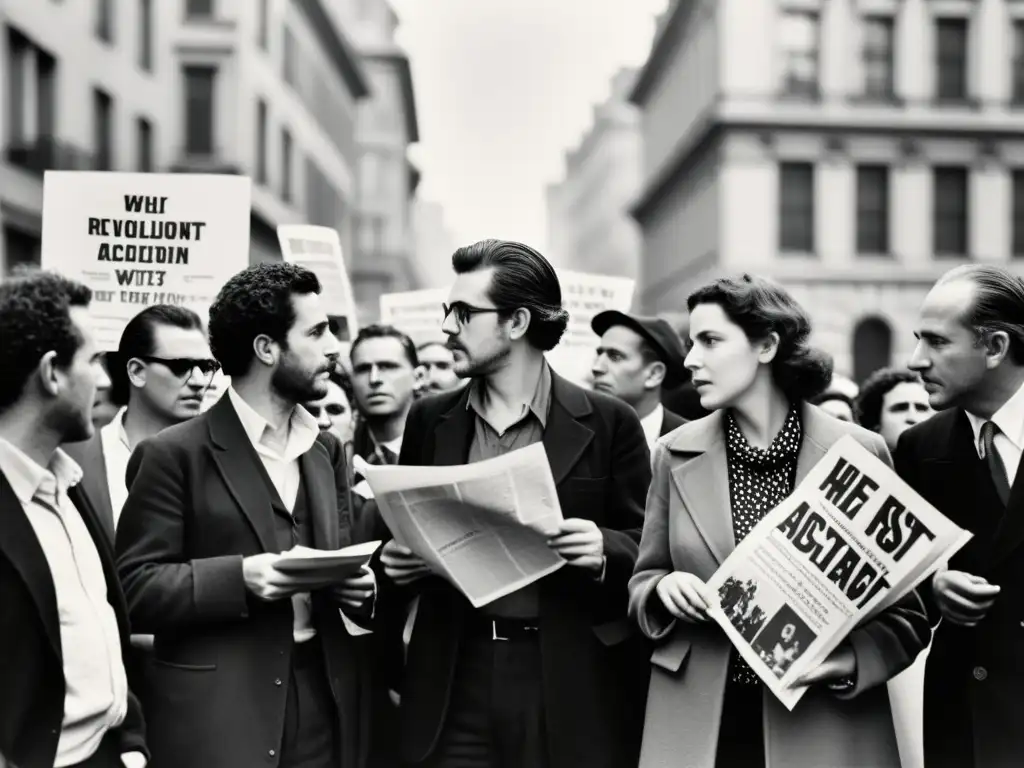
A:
[(851, 540), (482, 526)]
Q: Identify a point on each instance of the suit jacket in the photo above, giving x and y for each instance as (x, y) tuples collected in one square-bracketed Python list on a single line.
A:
[(218, 682), (601, 469), (31, 658), (689, 528), (974, 676), (89, 456), (671, 421)]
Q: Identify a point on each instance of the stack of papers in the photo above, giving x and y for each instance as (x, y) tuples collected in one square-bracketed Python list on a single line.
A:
[(337, 563)]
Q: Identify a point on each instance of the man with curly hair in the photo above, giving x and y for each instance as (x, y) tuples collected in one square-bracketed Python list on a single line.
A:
[(891, 400), (253, 665), (64, 700)]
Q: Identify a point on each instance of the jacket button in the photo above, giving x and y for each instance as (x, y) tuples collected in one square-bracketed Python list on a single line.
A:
[(980, 673), (272, 753), (278, 681)]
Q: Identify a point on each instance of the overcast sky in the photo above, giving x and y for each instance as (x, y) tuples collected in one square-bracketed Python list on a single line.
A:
[(503, 88)]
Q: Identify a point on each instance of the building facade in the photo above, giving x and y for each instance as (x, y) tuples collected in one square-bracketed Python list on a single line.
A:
[(855, 150), (434, 245), (267, 89), (589, 226)]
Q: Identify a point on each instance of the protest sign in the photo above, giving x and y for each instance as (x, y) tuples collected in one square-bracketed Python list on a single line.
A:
[(318, 249), (849, 542), (583, 296), (139, 239), (417, 314)]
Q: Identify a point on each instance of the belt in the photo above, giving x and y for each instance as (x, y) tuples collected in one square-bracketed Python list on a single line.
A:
[(497, 628)]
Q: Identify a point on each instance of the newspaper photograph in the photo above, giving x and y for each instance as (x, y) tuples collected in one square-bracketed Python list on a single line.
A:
[(484, 526), (850, 541)]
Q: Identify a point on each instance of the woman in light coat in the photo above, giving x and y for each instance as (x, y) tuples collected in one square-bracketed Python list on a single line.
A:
[(714, 478)]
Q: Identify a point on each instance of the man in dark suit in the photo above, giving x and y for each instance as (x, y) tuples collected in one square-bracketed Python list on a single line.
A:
[(64, 699), (637, 358), (549, 675), (252, 665), (965, 460)]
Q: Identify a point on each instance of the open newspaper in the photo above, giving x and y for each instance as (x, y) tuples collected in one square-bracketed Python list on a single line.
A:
[(850, 541), (482, 526)]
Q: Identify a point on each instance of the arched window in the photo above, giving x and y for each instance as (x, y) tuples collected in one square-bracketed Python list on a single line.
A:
[(872, 347)]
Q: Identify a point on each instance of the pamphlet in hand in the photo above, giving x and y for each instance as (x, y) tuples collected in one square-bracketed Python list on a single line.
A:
[(851, 540), (482, 526), (333, 565)]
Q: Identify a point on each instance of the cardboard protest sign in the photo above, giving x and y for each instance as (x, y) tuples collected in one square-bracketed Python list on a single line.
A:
[(139, 239), (318, 249), (417, 314)]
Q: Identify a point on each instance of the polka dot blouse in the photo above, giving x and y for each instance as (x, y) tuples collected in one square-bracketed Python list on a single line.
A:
[(759, 480)]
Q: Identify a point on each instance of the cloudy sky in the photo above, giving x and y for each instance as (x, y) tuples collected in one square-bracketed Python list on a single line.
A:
[(503, 88)]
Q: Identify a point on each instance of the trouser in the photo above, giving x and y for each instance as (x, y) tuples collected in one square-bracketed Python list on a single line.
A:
[(311, 736)]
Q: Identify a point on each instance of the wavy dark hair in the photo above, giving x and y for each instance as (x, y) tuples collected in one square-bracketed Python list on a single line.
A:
[(998, 304), (256, 301), (874, 390), (523, 279), (35, 319), (382, 331), (761, 307)]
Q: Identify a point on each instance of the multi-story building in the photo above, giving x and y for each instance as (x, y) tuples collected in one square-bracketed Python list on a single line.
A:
[(266, 88), (852, 149), (589, 226), (384, 255)]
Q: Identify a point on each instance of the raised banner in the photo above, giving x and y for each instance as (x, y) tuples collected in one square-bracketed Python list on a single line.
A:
[(139, 239), (417, 314), (318, 249)]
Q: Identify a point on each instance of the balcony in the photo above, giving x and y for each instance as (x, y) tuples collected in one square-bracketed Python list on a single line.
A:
[(189, 161), (47, 153)]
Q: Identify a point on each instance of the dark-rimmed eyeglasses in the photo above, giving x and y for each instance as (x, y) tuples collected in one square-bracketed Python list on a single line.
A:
[(185, 366), (464, 312)]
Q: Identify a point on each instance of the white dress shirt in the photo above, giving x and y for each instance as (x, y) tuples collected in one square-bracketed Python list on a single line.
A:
[(652, 424), (279, 450), (96, 688), (1009, 439), (116, 453)]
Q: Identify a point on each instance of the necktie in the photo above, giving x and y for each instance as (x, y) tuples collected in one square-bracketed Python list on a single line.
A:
[(995, 463)]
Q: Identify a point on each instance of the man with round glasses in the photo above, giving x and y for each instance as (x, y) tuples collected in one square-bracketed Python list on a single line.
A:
[(159, 376)]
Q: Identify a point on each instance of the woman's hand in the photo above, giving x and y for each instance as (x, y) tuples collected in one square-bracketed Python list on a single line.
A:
[(683, 595), (841, 665)]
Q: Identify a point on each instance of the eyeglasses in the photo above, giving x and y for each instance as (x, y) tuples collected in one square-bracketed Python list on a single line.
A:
[(464, 312), (185, 366)]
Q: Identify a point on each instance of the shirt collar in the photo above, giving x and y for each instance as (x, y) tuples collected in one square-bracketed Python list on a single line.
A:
[(115, 429), (540, 405), (303, 427), (1009, 418), (653, 422), (25, 475)]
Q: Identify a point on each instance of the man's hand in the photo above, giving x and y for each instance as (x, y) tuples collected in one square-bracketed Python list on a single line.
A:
[(267, 583), (580, 542), (684, 595), (356, 589), (840, 664), (963, 598), (133, 760), (401, 565)]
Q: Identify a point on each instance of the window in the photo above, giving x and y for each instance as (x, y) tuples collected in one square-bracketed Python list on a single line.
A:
[(872, 209), (144, 144), (199, 9), (1018, 60), (800, 53), (877, 57), (103, 129), (951, 58), (29, 112), (262, 34), (261, 142), (289, 57), (371, 236), (199, 94), (796, 207), (1018, 213), (286, 165), (146, 35), (949, 211), (105, 20), (18, 50)]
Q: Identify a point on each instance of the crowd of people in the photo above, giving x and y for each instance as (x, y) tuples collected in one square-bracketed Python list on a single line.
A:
[(147, 496)]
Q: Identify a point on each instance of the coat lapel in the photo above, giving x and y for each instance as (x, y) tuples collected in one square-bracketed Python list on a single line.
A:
[(95, 523), (702, 481), (565, 437), (1010, 533), (322, 492), (90, 458), (20, 546), (236, 460), (818, 434), (454, 433)]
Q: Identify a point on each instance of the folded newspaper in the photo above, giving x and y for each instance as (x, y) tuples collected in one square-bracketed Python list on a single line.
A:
[(850, 541), (330, 563), (482, 526)]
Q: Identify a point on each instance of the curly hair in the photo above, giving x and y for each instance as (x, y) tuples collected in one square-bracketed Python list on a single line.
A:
[(257, 301), (35, 319), (523, 279), (761, 307), (874, 390)]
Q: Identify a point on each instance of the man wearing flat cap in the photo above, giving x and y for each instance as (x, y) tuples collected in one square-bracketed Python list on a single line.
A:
[(636, 358)]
